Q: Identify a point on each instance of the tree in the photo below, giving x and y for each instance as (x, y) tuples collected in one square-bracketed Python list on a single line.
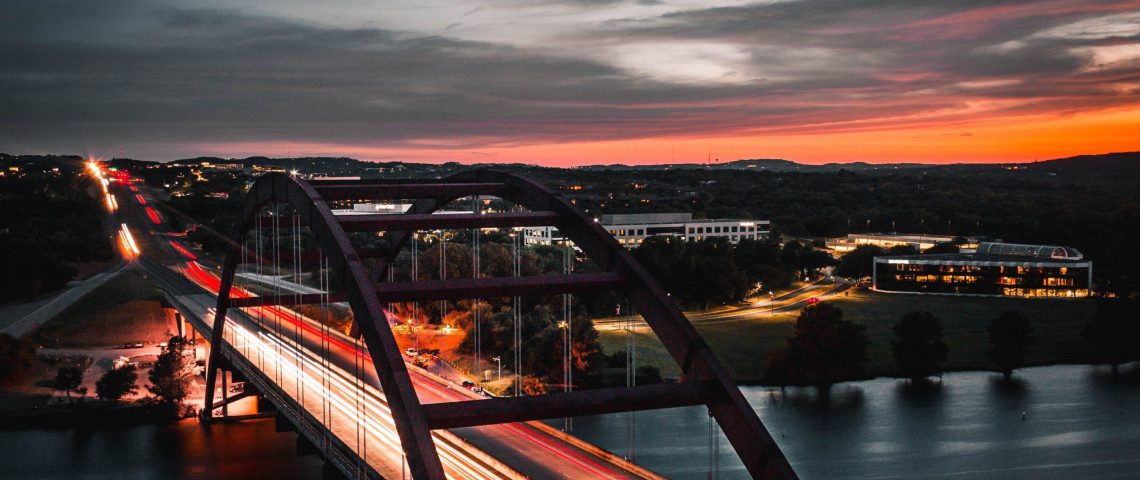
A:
[(116, 383), (1114, 332), (172, 373), (919, 347), (823, 350), (68, 379), (859, 262), (1010, 335)]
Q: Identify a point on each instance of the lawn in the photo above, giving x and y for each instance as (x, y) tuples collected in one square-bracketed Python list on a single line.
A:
[(742, 345), (128, 308)]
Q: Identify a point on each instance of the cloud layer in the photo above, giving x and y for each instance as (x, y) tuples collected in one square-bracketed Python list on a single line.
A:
[(441, 81)]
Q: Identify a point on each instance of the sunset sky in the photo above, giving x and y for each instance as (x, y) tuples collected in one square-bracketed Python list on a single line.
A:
[(572, 82)]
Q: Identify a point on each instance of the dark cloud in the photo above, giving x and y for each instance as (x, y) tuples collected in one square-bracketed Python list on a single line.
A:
[(79, 74)]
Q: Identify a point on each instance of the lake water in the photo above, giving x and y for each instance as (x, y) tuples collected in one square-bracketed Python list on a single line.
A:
[(184, 450), (1079, 423)]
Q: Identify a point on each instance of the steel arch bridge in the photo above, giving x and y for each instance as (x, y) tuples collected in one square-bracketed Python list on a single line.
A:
[(705, 381)]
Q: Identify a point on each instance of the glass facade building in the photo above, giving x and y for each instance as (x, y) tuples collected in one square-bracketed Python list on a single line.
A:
[(995, 269)]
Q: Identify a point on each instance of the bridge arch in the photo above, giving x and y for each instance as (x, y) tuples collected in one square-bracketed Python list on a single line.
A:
[(705, 381)]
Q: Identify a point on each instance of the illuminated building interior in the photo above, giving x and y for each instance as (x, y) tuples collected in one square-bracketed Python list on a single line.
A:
[(995, 269)]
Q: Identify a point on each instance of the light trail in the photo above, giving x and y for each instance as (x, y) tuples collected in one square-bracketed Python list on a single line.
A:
[(112, 205), (142, 201), (186, 253), (128, 242), (153, 215), (212, 283), (373, 415)]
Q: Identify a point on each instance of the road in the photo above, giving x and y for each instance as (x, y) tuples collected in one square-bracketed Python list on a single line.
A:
[(288, 348), (29, 321), (786, 302)]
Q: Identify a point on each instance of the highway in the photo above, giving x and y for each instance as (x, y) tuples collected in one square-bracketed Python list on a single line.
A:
[(340, 388)]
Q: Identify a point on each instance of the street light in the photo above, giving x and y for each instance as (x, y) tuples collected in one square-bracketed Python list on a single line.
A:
[(500, 362), (772, 302)]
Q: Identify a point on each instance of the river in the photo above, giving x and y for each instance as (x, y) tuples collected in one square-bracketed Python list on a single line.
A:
[(1078, 423)]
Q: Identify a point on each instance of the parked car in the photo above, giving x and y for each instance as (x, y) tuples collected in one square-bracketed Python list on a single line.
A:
[(411, 352), (468, 384)]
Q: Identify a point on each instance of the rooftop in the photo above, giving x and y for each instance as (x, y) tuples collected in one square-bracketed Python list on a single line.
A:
[(999, 252)]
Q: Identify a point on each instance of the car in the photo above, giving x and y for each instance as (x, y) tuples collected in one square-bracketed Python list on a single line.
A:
[(411, 352), (813, 300), (468, 384)]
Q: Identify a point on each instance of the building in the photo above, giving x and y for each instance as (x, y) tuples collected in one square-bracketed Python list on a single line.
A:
[(884, 240), (992, 269), (632, 229)]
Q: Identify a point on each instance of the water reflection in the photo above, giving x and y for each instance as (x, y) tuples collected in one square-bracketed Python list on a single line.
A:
[(184, 450), (1078, 422)]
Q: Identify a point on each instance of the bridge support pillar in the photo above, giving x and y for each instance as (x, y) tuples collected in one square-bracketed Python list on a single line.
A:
[(305, 447), (330, 472), (282, 424)]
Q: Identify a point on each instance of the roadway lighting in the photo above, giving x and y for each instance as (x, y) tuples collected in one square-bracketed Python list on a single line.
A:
[(500, 362), (293, 172), (772, 302)]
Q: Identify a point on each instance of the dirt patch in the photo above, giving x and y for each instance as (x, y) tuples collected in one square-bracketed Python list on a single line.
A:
[(128, 308)]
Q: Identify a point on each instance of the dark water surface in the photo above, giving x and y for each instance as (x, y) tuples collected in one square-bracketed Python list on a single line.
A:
[(243, 450), (1079, 423)]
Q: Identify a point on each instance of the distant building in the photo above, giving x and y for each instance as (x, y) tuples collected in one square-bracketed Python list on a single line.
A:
[(884, 240), (631, 230), (992, 269)]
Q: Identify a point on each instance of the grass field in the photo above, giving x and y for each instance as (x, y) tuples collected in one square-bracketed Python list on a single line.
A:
[(128, 308), (742, 345)]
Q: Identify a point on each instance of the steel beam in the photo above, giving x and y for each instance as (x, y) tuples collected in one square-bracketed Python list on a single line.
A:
[(286, 300), (394, 191), (460, 288), (450, 221), (558, 405)]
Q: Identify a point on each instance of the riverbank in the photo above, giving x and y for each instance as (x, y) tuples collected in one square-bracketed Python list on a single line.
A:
[(742, 344)]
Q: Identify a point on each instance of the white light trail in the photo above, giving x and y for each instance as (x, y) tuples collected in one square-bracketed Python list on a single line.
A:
[(129, 241), (377, 417)]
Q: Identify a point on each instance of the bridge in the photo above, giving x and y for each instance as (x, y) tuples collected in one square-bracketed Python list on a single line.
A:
[(351, 394)]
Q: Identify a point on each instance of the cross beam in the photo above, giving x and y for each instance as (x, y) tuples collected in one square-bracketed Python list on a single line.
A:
[(557, 405), (286, 300), (392, 191), (460, 288), (445, 221)]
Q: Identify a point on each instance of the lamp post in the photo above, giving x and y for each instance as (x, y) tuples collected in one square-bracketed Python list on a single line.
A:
[(771, 302), (565, 327), (500, 362)]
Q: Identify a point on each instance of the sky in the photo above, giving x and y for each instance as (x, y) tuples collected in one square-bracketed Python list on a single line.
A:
[(572, 82)]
